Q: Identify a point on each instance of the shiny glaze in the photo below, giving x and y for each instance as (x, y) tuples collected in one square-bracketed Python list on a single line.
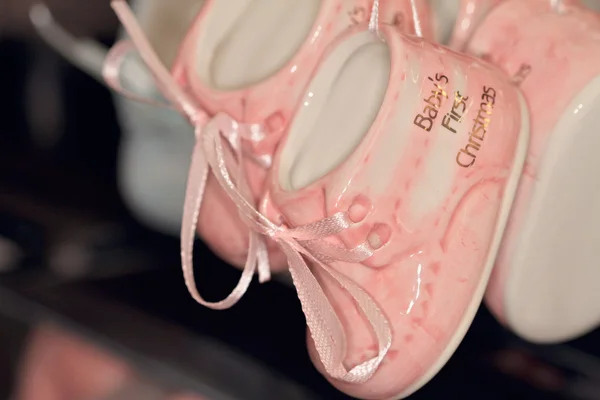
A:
[(552, 55), (471, 13), (435, 221), (269, 103)]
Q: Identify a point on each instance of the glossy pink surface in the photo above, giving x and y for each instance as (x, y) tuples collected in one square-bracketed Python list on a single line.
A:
[(270, 103), (554, 55), (436, 219), (471, 13)]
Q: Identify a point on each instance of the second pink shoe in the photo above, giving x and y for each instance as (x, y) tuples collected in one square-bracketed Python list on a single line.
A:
[(546, 282), (402, 181)]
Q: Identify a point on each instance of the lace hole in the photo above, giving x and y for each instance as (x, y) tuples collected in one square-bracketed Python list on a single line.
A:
[(379, 236), (360, 208)]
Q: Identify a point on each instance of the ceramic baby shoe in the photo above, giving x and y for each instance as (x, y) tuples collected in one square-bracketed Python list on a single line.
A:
[(251, 62), (410, 156), (156, 143), (546, 283)]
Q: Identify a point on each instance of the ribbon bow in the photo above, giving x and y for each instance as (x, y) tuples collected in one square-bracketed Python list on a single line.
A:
[(298, 244)]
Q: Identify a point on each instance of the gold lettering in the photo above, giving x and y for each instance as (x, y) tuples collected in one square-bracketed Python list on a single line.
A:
[(446, 123), (423, 122), (433, 103), (467, 156), (456, 113)]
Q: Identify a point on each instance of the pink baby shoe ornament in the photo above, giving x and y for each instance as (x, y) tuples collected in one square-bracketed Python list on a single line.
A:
[(389, 205), (545, 282), (297, 244), (422, 157)]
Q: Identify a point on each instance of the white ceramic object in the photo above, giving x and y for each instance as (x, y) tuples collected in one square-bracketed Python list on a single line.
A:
[(427, 182), (546, 282), (157, 143)]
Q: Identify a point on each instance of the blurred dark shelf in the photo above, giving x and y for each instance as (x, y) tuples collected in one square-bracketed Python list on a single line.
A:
[(26, 176), (168, 353), (260, 344)]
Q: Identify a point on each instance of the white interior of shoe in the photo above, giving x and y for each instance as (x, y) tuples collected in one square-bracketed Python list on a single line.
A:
[(166, 22), (339, 107), (243, 42), (446, 13), (593, 4)]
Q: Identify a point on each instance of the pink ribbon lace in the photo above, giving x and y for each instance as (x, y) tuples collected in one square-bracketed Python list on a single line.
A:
[(299, 244)]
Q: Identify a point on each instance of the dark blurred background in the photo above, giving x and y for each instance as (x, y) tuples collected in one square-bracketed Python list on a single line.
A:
[(82, 277)]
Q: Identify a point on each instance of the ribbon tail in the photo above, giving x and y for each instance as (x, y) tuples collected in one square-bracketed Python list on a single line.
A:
[(323, 323), (262, 257), (223, 125), (379, 325), (377, 320)]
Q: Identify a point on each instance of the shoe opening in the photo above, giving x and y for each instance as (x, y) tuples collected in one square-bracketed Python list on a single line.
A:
[(339, 107), (244, 42)]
